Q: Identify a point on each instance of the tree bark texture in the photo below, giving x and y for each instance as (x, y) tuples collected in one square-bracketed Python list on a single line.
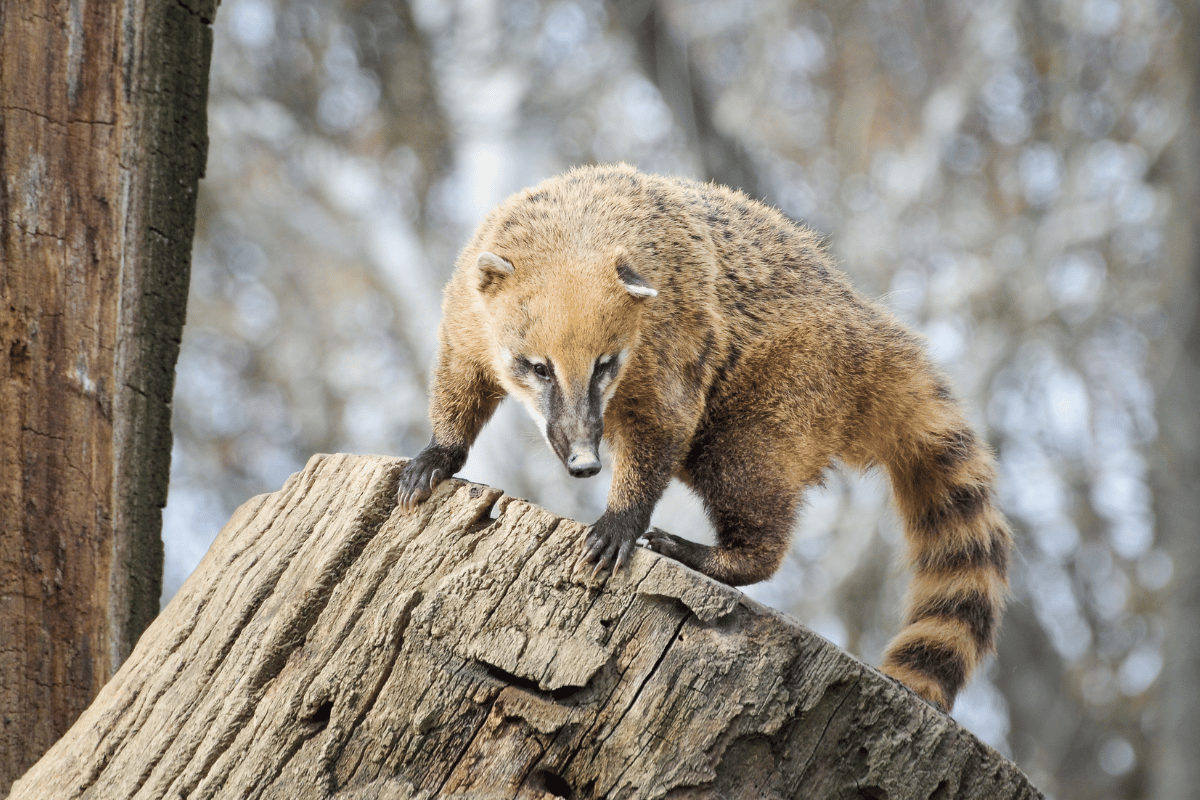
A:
[(329, 646), (102, 141)]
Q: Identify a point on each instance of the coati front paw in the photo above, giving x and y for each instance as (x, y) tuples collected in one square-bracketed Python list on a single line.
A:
[(608, 544), (422, 475)]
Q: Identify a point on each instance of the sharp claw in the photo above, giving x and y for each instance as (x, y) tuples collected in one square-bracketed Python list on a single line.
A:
[(434, 479), (622, 558)]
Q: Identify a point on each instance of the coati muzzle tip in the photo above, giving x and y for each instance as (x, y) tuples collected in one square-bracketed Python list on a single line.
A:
[(583, 463)]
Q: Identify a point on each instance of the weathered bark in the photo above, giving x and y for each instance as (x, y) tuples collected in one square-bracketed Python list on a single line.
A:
[(329, 646), (102, 141)]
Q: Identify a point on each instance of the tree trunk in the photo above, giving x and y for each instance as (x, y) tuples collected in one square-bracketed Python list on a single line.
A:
[(1177, 773), (329, 646), (102, 140)]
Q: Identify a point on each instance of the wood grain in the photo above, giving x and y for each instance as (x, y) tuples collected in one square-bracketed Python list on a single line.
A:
[(329, 646)]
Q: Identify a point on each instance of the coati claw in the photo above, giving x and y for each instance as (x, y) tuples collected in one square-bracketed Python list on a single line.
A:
[(606, 545), (660, 542), (676, 548), (423, 474)]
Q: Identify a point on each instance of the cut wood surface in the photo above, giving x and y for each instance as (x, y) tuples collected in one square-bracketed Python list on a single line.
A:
[(329, 646)]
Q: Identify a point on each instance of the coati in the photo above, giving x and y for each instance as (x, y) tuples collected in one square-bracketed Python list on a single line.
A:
[(707, 337)]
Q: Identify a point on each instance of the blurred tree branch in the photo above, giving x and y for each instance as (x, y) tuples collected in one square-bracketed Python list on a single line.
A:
[(664, 59)]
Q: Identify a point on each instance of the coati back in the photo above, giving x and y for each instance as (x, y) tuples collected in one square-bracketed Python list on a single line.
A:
[(707, 337)]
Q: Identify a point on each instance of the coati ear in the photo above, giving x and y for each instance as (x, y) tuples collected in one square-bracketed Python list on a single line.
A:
[(634, 283), (492, 271)]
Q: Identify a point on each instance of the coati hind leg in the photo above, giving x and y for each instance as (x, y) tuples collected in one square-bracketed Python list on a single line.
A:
[(752, 508)]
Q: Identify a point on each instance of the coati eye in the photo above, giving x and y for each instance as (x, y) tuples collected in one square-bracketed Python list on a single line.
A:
[(524, 366)]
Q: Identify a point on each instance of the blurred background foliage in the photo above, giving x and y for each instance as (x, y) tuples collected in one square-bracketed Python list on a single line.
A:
[(1005, 175)]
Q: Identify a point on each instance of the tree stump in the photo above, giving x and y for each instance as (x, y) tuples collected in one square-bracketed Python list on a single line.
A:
[(329, 646)]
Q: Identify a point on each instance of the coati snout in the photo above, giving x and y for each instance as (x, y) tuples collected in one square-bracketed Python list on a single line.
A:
[(583, 463), (571, 414)]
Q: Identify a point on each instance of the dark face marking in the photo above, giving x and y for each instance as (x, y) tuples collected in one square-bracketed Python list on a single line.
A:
[(605, 367), (575, 424), (555, 409), (973, 608)]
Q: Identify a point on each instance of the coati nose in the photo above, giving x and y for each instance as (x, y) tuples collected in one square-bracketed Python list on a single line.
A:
[(583, 464)]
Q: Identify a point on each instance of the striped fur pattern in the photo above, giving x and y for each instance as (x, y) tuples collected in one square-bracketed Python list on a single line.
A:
[(706, 337), (958, 547)]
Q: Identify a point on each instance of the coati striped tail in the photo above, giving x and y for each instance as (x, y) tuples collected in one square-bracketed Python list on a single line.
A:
[(958, 547)]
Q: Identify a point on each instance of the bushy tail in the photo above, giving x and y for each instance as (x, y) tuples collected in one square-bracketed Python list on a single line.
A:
[(958, 547)]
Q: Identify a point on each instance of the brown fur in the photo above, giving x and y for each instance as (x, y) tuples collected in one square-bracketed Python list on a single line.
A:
[(755, 367)]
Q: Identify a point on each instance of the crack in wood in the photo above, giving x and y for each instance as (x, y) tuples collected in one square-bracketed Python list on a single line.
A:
[(367, 657), (803, 771)]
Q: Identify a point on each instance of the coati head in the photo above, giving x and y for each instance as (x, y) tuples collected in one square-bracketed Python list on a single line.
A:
[(563, 336)]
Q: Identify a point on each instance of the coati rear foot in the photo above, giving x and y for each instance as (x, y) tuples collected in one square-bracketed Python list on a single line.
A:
[(728, 565), (753, 510), (741, 562)]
